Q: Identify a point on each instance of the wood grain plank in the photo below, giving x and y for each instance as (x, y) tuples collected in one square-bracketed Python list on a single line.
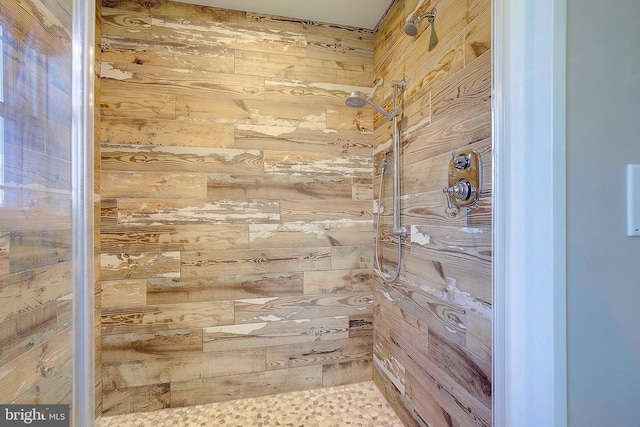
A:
[(290, 67), (311, 163), (337, 281), (479, 336), (258, 310), (438, 277), (351, 257), (27, 290), (55, 387), (438, 314), (304, 139), (165, 317), (139, 265), (318, 353), (229, 186), (141, 158), (144, 346), (329, 46), (150, 212), (35, 249), (310, 234), (114, 184), (136, 399), (473, 374), (279, 333), (172, 8), (48, 358), (459, 130), (123, 131), (174, 238), (136, 104), (478, 36), (129, 24), (452, 245), (223, 288), (220, 389), (168, 55), (210, 264), (182, 81), (355, 371), (120, 293), (401, 406), (27, 209), (219, 34), (319, 210), (463, 88), (26, 168)]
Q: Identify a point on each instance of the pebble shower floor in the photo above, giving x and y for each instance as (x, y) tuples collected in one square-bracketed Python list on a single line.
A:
[(349, 405)]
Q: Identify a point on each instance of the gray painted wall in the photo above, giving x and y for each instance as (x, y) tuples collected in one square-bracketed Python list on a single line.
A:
[(603, 135)]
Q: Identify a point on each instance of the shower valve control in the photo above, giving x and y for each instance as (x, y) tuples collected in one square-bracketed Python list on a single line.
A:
[(462, 161), (465, 174)]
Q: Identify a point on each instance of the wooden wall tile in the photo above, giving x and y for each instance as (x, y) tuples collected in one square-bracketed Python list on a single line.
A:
[(227, 175), (337, 281), (211, 264), (151, 318), (168, 55), (258, 310), (347, 373), (174, 238), (28, 290), (125, 131), (136, 105), (224, 287), (183, 159), (129, 24), (141, 346), (432, 356), (249, 385), (211, 33), (139, 265), (136, 399), (149, 212), (278, 333), (117, 293), (153, 185)]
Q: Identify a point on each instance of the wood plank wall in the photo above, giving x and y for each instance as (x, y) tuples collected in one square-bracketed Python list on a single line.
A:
[(432, 329), (236, 205), (35, 202)]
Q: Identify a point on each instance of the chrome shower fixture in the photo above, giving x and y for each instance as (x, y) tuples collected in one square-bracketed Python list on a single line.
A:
[(358, 100), (411, 27)]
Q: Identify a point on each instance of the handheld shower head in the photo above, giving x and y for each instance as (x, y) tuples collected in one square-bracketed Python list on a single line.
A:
[(358, 100), (411, 27)]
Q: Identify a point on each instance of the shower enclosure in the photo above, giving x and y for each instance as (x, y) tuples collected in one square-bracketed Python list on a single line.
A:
[(235, 192)]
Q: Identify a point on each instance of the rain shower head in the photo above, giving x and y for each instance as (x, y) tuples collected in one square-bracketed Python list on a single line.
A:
[(411, 27), (358, 100)]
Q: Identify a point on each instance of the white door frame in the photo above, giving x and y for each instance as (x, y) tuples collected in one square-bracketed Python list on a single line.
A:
[(529, 62)]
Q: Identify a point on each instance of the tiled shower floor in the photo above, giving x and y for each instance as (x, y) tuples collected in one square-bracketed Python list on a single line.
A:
[(349, 405)]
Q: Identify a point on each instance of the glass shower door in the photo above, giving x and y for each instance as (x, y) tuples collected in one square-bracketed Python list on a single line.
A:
[(43, 195)]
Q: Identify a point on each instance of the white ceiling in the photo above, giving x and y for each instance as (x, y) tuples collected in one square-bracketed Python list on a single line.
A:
[(353, 13)]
